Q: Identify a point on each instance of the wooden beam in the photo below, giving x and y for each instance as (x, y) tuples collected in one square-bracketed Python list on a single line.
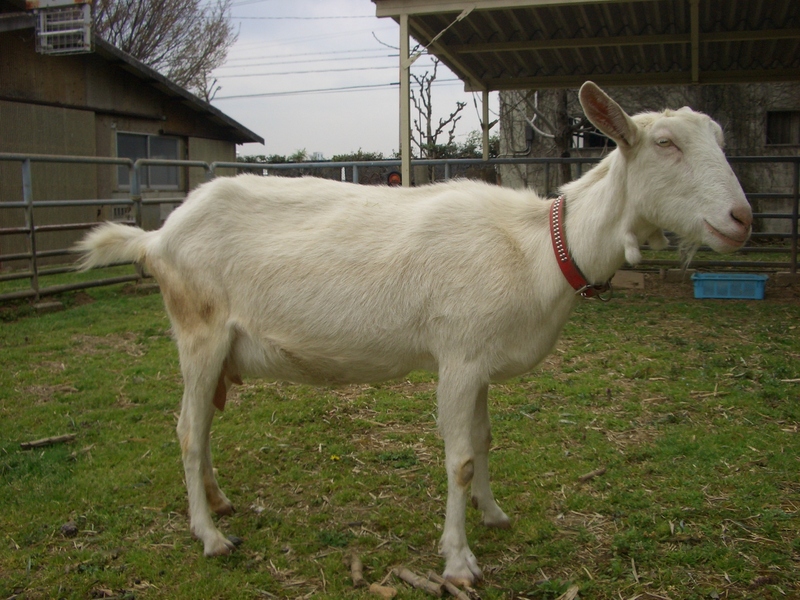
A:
[(636, 79), (575, 81), (695, 34), (750, 36), (627, 40), (394, 8), (571, 43), (443, 53)]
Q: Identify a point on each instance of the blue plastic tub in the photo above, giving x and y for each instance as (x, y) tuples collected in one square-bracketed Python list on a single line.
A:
[(737, 286)]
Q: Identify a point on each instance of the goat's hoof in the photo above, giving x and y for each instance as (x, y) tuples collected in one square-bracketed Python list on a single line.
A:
[(464, 574), (463, 580), (235, 540), (493, 516), (224, 509), (220, 545), (498, 521)]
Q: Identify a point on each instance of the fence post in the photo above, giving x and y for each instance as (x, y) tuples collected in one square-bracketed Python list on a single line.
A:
[(546, 178), (447, 171), (355, 173), (27, 196), (136, 198), (795, 211)]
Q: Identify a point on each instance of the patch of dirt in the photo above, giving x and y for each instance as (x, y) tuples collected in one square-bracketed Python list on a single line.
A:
[(82, 299), (43, 394), (93, 344)]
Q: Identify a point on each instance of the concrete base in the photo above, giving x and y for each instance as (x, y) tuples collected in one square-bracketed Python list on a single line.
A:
[(786, 278), (677, 275), (50, 306), (147, 288), (628, 280)]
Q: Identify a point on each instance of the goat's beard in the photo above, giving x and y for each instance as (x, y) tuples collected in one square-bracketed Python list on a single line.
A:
[(687, 250)]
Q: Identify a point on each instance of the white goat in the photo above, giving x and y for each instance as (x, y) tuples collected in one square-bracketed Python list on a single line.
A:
[(315, 281)]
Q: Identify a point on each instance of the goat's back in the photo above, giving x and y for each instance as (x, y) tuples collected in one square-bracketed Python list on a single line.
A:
[(331, 271)]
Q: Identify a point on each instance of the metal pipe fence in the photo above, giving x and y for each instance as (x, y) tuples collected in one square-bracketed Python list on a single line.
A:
[(782, 244)]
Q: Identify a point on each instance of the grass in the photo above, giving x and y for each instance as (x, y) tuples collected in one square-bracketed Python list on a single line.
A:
[(690, 406)]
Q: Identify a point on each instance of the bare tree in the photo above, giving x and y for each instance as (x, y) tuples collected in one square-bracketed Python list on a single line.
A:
[(183, 39), (426, 136)]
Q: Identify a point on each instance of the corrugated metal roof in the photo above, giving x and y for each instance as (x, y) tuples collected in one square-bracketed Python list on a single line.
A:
[(516, 44)]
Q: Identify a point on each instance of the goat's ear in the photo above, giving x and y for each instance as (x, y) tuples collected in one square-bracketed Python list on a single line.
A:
[(607, 115)]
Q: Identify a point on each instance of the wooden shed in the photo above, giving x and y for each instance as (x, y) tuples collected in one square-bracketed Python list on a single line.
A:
[(103, 103)]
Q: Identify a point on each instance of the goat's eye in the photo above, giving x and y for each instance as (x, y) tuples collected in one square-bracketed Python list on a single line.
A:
[(663, 142)]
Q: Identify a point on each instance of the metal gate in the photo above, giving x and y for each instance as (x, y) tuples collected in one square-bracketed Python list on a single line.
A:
[(781, 252)]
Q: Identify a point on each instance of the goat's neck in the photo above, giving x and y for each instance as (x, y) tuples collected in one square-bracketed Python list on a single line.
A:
[(600, 221)]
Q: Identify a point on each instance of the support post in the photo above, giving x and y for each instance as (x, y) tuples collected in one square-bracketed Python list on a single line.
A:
[(795, 215), (405, 104), (485, 124), (136, 197)]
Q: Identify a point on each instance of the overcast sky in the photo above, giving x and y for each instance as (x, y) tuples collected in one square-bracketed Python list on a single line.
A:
[(287, 53)]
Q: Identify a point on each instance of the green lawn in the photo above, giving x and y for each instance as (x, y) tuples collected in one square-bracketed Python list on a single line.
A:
[(691, 407)]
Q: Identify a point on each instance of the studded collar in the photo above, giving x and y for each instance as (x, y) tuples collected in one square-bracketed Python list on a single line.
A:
[(568, 267)]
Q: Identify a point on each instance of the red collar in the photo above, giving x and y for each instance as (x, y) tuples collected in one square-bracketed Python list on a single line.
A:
[(568, 267)]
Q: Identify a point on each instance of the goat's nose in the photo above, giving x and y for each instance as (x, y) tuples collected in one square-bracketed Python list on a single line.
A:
[(743, 215)]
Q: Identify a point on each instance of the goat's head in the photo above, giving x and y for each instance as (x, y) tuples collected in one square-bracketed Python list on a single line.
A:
[(677, 173)]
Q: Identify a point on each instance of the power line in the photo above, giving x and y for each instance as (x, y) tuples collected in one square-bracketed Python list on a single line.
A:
[(310, 71), (325, 36), (245, 2), (351, 88), (325, 52), (306, 18), (314, 91), (309, 60), (307, 72)]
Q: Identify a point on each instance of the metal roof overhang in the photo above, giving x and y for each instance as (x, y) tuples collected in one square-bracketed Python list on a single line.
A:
[(523, 44), (518, 44)]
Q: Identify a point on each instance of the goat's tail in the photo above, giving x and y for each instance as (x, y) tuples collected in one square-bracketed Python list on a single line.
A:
[(112, 243)]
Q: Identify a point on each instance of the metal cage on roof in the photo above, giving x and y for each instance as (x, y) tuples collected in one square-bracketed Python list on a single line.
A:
[(63, 26)]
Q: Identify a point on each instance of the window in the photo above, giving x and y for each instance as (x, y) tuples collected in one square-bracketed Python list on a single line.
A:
[(783, 128), (135, 146)]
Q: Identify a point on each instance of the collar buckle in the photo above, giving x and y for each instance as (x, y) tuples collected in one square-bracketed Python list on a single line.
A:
[(603, 291)]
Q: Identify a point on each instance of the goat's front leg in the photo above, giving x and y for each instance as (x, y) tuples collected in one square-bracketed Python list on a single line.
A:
[(458, 393), (482, 497)]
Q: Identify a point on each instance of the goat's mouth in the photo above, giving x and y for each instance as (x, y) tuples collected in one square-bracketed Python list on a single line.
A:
[(729, 241)]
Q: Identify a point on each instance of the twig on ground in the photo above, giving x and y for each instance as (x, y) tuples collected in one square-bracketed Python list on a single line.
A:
[(570, 594), (592, 474), (384, 591), (49, 441), (451, 588), (418, 582), (356, 570)]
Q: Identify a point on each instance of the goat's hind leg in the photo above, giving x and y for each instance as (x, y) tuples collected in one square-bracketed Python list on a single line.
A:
[(202, 357), (457, 393), (217, 500), (482, 497)]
